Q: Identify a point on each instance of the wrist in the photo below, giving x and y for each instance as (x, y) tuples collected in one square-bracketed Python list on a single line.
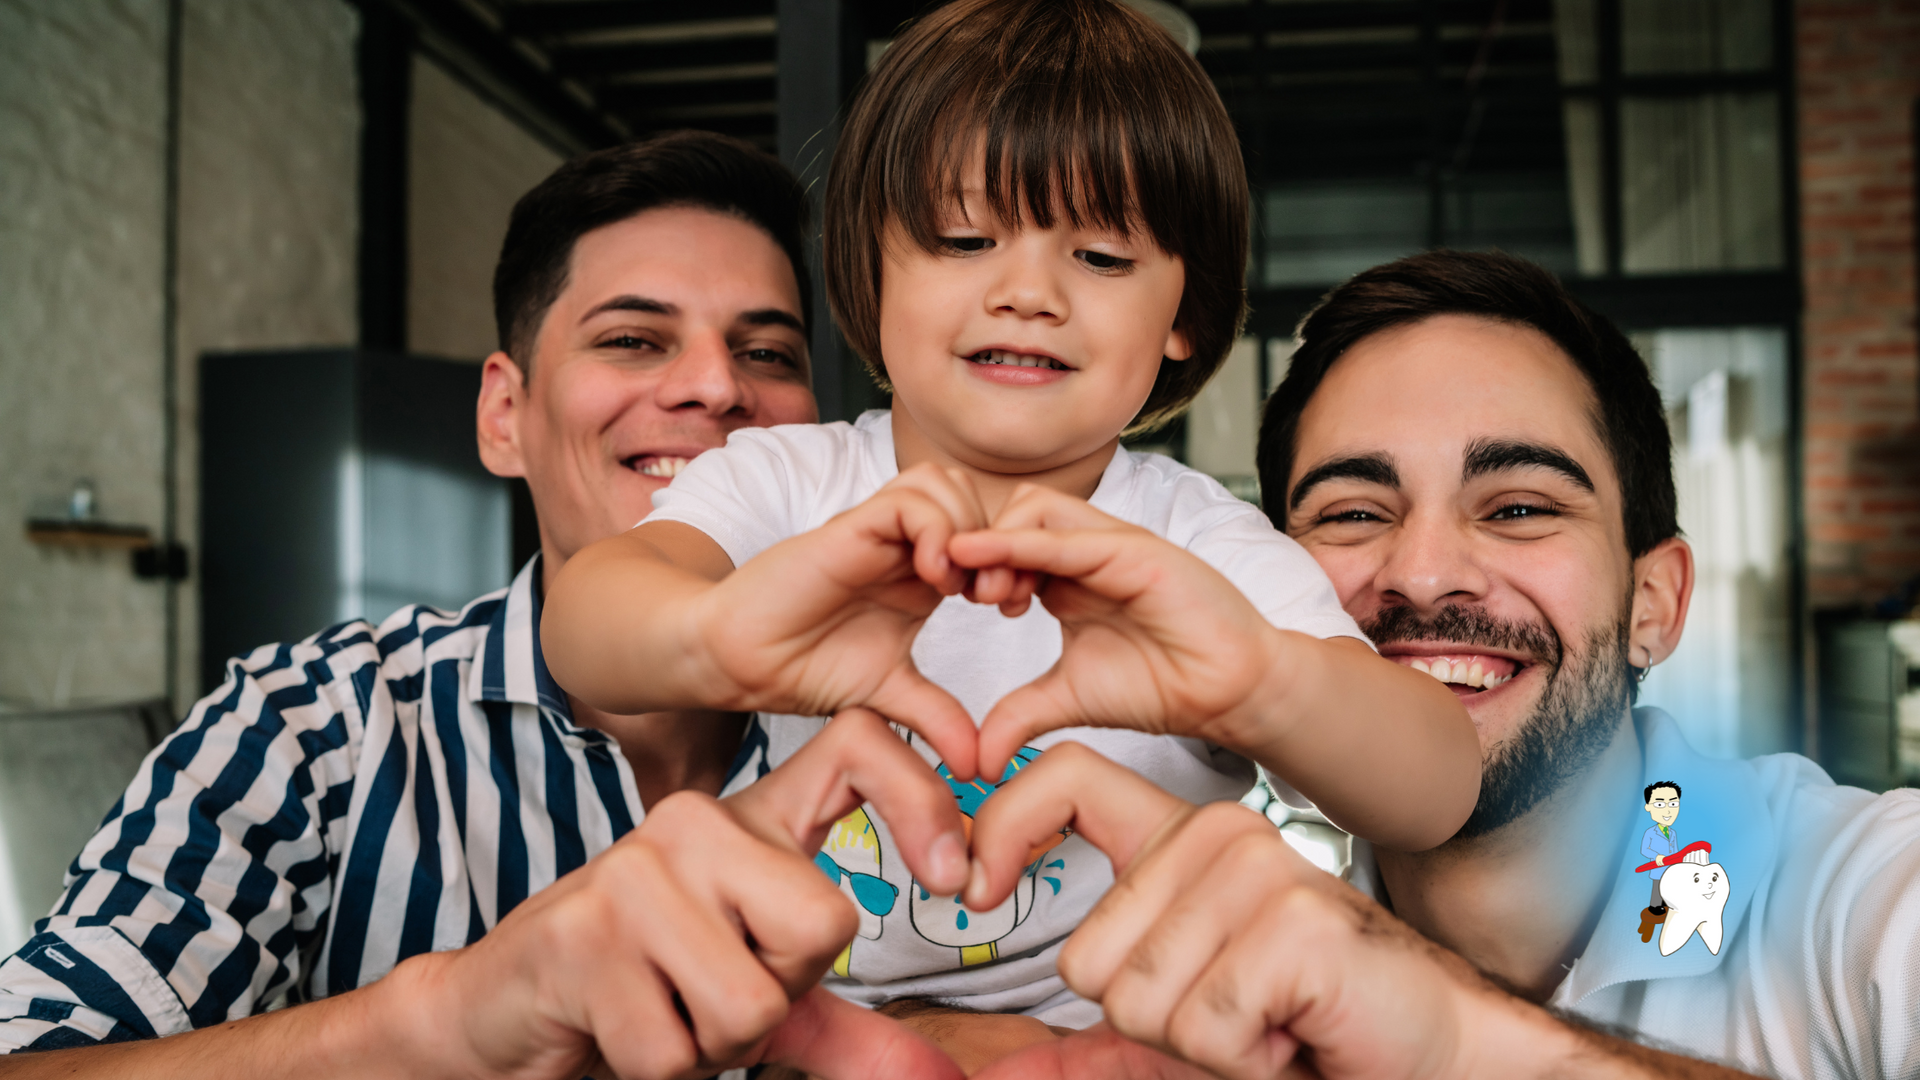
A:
[(1515, 1040), (397, 1027), (1260, 727)]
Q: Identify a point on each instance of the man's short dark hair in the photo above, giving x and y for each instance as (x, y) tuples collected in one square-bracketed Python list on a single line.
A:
[(1651, 788), (1630, 419), (684, 168), (1083, 109)]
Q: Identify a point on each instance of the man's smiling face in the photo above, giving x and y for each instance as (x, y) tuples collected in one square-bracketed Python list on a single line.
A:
[(1449, 477), (675, 327)]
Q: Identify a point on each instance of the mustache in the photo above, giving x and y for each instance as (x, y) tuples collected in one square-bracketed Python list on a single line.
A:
[(1467, 625)]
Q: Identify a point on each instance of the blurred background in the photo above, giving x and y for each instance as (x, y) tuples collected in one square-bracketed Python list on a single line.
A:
[(240, 238)]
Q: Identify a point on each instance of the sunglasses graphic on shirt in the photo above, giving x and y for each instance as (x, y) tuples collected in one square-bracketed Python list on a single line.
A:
[(873, 894)]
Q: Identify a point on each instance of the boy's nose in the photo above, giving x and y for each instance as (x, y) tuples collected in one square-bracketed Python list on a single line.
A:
[(1027, 288)]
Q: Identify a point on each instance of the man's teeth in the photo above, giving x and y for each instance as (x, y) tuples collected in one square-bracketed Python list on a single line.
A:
[(667, 467), (1463, 672), (1013, 359)]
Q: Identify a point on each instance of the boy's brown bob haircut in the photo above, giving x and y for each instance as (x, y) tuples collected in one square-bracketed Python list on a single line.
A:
[(1084, 108)]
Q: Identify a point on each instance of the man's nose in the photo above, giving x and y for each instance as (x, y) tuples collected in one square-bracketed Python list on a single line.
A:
[(1027, 284), (1430, 562), (703, 376)]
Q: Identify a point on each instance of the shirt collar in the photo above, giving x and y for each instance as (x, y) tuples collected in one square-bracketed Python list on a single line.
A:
[(1723, 805), (510, 666)]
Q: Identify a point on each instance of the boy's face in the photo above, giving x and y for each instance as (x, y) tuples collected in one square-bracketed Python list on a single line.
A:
[(1020, 350)]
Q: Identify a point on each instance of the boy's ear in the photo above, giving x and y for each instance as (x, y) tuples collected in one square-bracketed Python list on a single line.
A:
[(1177, 347)]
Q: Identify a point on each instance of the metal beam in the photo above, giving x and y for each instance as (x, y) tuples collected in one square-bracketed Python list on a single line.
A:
[(822, 54), (386, 92)]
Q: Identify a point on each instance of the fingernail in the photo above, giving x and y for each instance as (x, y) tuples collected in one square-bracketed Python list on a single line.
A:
[(977, 882), (949, 855)]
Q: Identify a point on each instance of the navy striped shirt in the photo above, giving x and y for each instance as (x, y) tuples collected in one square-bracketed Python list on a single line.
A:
[(338, 805)]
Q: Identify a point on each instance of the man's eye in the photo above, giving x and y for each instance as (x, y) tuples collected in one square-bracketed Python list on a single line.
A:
[(965, 245), (768, 356), (1523, 511), (1342, 517), (627, 341), (1101, 261)]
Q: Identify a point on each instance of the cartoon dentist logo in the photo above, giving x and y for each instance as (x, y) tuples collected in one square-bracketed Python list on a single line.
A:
[(1689, 893), (943, 920), (851, 859)]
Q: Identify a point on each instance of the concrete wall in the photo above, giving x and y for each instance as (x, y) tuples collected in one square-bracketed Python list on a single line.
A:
[(82, 136), (269, 206), (268, 216), (1859, 77), (467, 165)]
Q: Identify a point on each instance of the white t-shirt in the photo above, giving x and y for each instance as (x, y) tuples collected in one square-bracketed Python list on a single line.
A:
[(769, 484)]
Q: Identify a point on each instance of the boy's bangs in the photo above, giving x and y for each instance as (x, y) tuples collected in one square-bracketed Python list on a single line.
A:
[(1033, 162)]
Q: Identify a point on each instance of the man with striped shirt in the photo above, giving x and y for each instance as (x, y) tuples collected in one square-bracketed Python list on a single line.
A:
[(375, 793)]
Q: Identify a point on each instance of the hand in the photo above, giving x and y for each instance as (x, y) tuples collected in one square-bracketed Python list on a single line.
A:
[(638, 964), (825, 621), (1152, 637), (1219, 944), (974, 1040), (1098, 1053)]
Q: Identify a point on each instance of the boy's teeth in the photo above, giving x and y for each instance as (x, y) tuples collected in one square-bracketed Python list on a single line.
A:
[(667, 467), (1013, 359)]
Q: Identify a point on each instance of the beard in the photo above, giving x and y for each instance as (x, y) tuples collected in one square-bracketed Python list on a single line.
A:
[(1586, 694)]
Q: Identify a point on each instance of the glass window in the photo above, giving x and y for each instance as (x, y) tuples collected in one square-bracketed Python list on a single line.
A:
[(1674, 37), (1700, 183), (1730, 683), (1317, 233)]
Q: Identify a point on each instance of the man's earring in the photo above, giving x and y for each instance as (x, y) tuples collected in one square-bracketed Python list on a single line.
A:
[(1640, 673)]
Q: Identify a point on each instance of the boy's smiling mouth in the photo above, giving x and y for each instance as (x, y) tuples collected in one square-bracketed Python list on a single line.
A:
[(1009, 358)]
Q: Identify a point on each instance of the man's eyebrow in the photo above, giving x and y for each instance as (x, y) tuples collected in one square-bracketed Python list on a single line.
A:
[(772, 317), (632, 303), (1486, 456), (1366, 468)]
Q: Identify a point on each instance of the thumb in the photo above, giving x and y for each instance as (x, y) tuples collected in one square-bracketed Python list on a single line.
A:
[(832, 1039)]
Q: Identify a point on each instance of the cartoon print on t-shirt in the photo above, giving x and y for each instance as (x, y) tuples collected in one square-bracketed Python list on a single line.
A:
[(944, 920), (851, 859), (1688, 893)]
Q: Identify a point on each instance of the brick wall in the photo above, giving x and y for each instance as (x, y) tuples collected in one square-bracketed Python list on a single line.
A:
[(1859, 75)]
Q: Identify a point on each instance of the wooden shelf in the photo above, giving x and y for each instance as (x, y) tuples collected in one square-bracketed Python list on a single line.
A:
[(93, 534)]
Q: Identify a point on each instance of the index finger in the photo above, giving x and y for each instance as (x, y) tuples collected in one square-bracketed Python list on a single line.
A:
[(857, 758), (1115, 808)]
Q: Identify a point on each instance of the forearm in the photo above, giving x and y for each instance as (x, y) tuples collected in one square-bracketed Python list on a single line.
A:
[(1385, 752), (1523, 1040), (619, 608), (362, 1033)]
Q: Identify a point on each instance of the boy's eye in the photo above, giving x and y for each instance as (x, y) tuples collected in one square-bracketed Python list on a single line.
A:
[(965, 245), (1104, 262)]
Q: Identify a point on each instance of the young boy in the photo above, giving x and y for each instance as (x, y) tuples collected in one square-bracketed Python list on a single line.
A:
[(1036, 235)]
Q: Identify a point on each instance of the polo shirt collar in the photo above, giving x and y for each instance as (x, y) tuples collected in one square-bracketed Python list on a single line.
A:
[(510, 667), (1721, 803)]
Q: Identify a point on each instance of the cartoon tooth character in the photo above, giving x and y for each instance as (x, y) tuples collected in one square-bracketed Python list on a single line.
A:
[(1696, 894), (851, 859), (944, 920)]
